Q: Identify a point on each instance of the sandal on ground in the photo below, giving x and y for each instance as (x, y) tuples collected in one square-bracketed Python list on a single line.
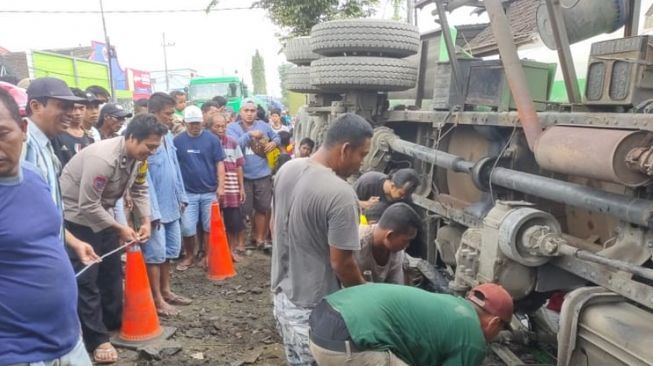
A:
[(182, 267), (105, 354), (166, 313), (178, 300), (243, 252)]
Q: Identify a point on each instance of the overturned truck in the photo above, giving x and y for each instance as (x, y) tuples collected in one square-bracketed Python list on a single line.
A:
[(547, 199)]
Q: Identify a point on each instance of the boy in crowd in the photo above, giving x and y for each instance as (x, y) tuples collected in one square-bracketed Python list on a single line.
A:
[(234, 187), (306, 147), (91, 115), (275, 121), (74, 138)]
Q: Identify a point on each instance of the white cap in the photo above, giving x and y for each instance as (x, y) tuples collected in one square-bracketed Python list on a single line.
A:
[(193, 114)]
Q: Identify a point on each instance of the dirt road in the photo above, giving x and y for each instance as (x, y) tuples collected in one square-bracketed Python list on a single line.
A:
[(229, 323)]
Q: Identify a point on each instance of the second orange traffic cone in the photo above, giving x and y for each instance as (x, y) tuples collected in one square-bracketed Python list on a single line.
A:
[(220, 265), (139, 319)]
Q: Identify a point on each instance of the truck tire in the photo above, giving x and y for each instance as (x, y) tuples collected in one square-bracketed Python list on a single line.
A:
[(339, 74), (363, 36), (298, 80), (298, 51)]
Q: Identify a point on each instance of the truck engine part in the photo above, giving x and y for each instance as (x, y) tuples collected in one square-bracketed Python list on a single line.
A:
[(634, 210), (363, 36), (516, 230), (448, 241), (593, 153), (583, 19), (481, 257), (298, 51), (363, 73)]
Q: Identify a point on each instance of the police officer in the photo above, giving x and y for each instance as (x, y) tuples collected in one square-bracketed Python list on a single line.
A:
[(91, 183)]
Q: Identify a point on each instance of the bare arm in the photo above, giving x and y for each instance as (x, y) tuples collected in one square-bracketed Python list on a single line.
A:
[(241, 183), (220, 172), (83, 250), (345, 267), (364, 205)]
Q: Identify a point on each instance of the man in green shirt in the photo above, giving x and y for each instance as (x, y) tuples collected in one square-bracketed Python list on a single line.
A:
[(386, 324)]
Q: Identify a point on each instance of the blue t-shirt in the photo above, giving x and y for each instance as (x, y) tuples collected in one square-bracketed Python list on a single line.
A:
[(198, 157), (38, 292), (255, 166)]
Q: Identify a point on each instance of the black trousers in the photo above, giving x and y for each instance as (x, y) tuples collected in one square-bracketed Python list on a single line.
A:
[(99, 303)]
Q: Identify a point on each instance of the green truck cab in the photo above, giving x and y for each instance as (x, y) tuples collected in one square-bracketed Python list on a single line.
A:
[(233, 88)]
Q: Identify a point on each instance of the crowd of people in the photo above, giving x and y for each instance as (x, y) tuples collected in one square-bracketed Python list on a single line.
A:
[(99, 178)]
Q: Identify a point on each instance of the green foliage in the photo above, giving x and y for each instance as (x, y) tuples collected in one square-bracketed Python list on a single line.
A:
[(397, 6), (297, 17), (283, 72), (258, 74)]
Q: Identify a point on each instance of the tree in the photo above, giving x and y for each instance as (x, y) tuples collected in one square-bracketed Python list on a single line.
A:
[(297, 17), (397, 6), (258, 74), (283, 72)]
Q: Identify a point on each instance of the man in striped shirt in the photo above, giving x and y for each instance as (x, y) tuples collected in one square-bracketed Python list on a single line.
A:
[(234, 191)]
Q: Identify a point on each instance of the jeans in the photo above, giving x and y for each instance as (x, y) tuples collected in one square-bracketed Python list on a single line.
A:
[(164, 244), (199, 208)]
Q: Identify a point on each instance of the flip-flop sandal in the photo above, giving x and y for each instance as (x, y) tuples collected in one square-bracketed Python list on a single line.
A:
[(183, 267), (166, 313), (110, 355), (178, 300)]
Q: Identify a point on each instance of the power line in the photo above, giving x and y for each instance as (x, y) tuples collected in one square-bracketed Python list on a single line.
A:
[(141, 11)]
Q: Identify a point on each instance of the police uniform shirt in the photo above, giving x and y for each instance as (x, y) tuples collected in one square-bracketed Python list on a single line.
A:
[(96, 178)]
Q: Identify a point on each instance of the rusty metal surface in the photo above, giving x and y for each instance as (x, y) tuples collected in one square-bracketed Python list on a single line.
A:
[(509, 119), (591, 153), (470, 145), (514, 71)]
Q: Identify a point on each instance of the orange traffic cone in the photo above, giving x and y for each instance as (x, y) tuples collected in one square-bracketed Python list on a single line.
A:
[(139, 319), (219, 254)]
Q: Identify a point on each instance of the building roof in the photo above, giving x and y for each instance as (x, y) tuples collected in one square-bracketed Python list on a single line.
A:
[(522, 18), (85, 52)]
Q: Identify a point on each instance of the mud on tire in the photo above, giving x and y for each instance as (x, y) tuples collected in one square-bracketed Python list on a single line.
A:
[(298, 51), (339, 74), (298, 80), (362, 36)]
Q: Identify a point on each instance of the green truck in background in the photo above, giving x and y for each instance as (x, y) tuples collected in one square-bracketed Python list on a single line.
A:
[(233, 88)]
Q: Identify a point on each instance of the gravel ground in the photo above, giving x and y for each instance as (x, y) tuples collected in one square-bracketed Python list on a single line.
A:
[(229, 323)]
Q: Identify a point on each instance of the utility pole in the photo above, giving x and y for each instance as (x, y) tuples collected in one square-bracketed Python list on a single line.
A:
[(109, 53), (165, 59)]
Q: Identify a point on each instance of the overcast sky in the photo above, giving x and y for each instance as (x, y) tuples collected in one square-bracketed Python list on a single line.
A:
[(217, 43)]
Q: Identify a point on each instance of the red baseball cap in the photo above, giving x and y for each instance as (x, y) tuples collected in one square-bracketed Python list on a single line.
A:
[(493, 299)]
